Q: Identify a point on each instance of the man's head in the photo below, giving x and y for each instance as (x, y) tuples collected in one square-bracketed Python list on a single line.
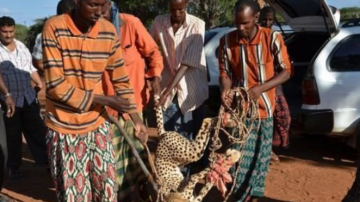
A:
[(267, 17), (246, 13), (90, 11), (65, 6), (177, 10), (7, 30), (107, 12)]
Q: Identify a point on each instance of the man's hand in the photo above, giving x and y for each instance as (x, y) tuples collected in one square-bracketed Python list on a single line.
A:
[(255, 92), (163, 98), (226, 98), (119, 103), (141, 132), (10, 106)]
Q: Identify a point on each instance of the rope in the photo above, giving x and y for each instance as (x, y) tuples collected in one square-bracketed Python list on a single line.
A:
[(244, 113)]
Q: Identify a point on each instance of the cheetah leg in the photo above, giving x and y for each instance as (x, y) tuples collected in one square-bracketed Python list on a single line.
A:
[(187, 189), (202, 138), (203, 192)]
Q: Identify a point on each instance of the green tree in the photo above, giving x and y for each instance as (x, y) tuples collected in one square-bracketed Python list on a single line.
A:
[(213, 12), (350, 12), (21, 31), (145, 10), (33, 31)]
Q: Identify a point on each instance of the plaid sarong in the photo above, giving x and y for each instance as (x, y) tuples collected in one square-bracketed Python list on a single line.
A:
[(128, 170), (256, 152)]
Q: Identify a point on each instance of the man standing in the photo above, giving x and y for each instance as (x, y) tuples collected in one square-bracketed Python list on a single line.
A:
[(78, 48), (246, 59), (140, 50), (282, 117), (184, 78), (18, 71), (64, 6)]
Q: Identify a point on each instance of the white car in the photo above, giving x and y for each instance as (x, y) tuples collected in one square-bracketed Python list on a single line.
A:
[(323, 94)]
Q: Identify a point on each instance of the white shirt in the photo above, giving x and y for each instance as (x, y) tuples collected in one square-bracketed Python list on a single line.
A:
[(185, 47), (20, 57)]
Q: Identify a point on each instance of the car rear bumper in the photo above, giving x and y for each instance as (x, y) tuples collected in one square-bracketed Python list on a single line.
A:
[(316, 121)]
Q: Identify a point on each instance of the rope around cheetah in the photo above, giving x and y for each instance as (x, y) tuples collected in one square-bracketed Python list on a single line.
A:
[(243, 116)]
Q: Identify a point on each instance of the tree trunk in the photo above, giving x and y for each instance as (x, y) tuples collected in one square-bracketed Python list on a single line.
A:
[(353, 194)]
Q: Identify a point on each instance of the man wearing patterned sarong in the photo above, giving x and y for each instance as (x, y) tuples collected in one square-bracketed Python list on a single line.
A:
[(77, 48), (282, 118), (246, 59)]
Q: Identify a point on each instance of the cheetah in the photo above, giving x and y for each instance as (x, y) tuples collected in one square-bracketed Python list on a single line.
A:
[(175, 151)]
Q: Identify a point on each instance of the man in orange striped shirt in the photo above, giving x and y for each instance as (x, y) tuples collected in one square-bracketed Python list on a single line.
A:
[(246, 59), (77, 48)]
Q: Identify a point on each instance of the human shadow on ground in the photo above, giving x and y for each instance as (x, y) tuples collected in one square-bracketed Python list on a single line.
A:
[(35, 182), (322, 150)]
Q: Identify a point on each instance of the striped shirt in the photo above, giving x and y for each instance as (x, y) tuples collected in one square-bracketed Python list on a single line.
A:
[(185, 47), (249, 64), (73, 65), (16, 68)]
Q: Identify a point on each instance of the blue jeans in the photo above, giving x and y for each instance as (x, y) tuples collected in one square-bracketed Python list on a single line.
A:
[(187, 124)]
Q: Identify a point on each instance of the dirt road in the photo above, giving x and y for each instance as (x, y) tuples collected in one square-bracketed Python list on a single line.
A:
[(314, 169)]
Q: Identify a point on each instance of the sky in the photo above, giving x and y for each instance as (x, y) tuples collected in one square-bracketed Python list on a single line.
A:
[(26, 11)]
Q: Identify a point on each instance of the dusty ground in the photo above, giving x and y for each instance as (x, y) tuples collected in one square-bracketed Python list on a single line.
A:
[(314, 169)]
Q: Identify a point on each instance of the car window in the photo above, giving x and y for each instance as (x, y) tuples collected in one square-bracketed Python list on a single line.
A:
[(346, 55), (209, 36), (352, 23)]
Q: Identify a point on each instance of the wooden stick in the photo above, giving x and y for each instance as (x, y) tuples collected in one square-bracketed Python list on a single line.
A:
[(136, 153)]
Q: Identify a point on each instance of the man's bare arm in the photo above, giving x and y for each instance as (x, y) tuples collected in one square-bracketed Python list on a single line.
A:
[(174, 82)]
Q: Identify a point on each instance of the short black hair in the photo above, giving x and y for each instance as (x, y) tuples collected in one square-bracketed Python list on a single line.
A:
[(266, 10), (65, 6), (6, 21), (240, 5)]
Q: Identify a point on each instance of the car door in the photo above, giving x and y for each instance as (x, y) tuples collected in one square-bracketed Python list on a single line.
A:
[(337, 72)]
